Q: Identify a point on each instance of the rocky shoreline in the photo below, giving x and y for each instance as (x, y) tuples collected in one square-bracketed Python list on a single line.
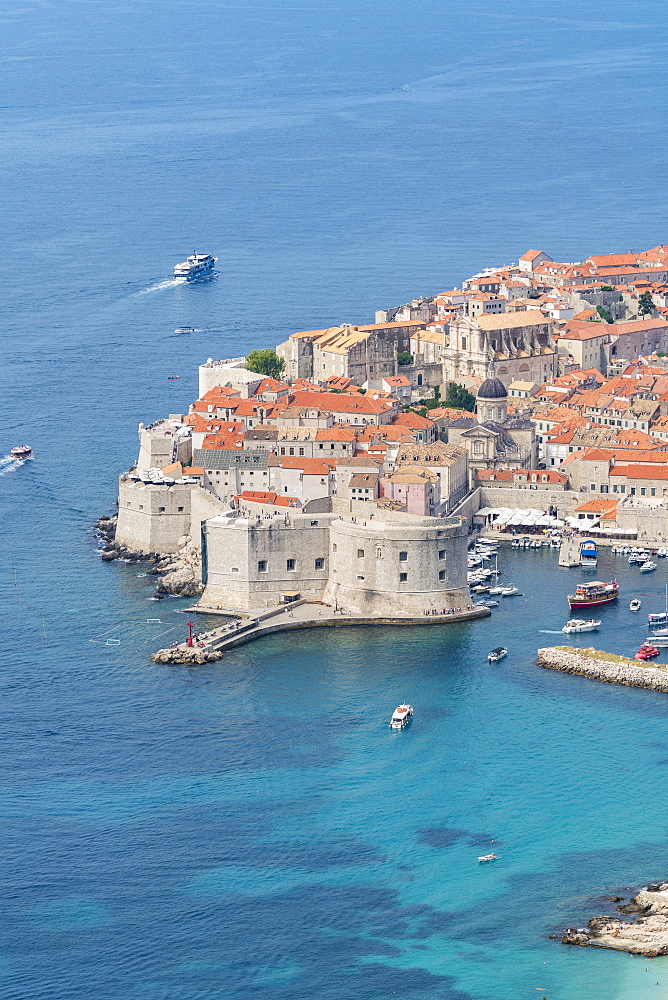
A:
[(646, 935), (606, 667), (188, 655), (180, 573)]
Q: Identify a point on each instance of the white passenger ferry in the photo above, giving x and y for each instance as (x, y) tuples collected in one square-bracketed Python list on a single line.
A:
[(401, 716), (198, 265)]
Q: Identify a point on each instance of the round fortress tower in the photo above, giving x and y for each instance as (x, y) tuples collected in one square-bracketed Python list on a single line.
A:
[(404, 565)]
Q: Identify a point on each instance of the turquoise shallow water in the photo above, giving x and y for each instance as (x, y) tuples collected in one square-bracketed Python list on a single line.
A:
[(253, 828)]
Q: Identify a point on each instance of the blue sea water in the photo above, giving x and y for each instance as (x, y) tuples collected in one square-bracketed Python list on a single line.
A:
[(253, 828)]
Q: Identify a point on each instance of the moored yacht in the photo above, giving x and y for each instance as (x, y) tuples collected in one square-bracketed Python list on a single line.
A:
[(588, 554), (198, 265)]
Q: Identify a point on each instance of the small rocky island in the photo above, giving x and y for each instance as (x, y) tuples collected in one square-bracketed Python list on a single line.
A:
[(647, 934)]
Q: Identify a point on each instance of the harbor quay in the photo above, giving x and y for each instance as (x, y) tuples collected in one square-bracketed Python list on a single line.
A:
[(244, 627)]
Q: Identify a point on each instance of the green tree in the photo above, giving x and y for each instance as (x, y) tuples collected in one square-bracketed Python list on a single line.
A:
[(265, 362), (607, 288), (645, 304), (459, 398), (404, 358), (604, 314)]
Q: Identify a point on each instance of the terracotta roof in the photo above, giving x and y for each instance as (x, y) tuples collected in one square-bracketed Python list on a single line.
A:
[(597, 505), (309, 466)]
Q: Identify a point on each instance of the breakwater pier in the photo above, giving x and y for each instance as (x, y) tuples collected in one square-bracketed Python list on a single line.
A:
[(606, 667), (212, 644)]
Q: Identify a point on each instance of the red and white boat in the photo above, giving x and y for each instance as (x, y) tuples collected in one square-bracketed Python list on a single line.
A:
[(21, 451), (646, 652), (589, 595)]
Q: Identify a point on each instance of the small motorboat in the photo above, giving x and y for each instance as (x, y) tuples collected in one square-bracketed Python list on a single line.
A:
[(480, 588), (401, 716), (496, 590), (662, 552), (507, 591), (647, 651), (580, 625), (173, 376), (490, 604), (21, 451), (497, 654), (487, 857), (634, 605), (648, 566), (185, 329)]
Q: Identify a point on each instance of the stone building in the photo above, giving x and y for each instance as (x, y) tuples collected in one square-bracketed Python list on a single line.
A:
[(510, 347), (492, 439), (164, 442), (360, 353)]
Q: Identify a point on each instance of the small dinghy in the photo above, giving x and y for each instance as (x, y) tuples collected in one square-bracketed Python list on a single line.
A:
[(487, 857), (634, 605), (497, 654)]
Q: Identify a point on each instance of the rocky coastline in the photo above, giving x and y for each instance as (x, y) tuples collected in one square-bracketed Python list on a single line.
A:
[(179, 573), (646, 935), (606, 667)]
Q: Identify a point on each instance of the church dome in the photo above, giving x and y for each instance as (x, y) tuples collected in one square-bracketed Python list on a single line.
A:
[(492, 388)]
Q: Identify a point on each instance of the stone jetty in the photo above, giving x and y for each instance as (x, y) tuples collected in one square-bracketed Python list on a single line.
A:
[(193, 655), (607, 667), (246, 626), (646, 935)]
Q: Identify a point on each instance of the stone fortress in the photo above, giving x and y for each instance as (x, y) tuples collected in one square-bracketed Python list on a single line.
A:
[(371, 562), (368, 557)]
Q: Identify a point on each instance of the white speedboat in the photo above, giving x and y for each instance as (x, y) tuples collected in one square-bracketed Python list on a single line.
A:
[(648, 567), (496, 590), (634, 605), (490, 604), (198, 265), (580, 625), (497, 654), (662, 552), (21, 451), (507, 591), (487, 857), (185, 329), (401, 716)]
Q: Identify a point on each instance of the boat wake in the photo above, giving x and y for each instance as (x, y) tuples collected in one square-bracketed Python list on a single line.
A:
[(9, 463), (160, 286), (549, 631)]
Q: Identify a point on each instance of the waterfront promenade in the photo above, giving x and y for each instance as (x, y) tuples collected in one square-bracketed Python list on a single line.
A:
[(212, 644)]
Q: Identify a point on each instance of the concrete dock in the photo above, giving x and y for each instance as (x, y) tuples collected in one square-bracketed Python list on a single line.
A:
[(211, 645)]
